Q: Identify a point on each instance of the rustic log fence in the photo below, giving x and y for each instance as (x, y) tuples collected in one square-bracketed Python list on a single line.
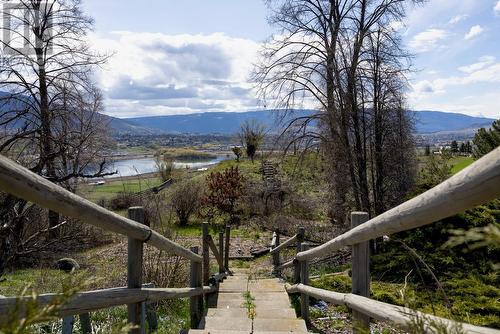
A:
[(20, 182), (475, 185)]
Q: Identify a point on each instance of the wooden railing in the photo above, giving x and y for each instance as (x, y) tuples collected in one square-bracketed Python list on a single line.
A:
[(475, 185), (20, 182)]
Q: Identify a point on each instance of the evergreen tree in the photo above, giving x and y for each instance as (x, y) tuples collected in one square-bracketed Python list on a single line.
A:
[(486, 141), (454, 146), (427, 150), (463, 149)]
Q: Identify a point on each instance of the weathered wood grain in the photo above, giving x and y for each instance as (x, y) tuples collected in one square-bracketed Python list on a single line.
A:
[(205, 252), (195, 282), (360, 273), (287, 264), (218, 257), (476, 184), (284, 245), (135, 252)]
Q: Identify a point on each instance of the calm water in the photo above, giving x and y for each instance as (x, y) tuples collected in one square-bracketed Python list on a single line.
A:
[(148, 165)]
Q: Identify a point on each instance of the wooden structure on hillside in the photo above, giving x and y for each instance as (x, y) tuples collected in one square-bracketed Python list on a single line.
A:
[(477, 184)]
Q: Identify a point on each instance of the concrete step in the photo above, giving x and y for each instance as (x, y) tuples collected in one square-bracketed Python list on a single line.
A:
[(279, 325), (204, 331), (272, 296), (266, 285), (268, 332), (278, 313), (263, 305), (233, 286), (227, 312), (226, 323), (283, 313)]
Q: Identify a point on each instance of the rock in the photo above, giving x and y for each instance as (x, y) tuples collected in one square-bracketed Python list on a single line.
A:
[(67, 264)]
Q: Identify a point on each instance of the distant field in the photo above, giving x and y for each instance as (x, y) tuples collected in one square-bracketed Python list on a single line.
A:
[(460, 163), (111, 188)]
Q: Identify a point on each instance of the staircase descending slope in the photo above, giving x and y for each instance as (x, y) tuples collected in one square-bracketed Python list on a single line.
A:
[(273, 312)]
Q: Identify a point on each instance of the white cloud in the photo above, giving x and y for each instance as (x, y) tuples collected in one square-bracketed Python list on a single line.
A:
[(457, 19), (482, 63), (155, 73), (496, 9), (473, 32), (428, 39), (455, 93)]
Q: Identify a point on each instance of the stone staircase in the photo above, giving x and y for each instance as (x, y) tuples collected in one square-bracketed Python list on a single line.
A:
[(273, 312)]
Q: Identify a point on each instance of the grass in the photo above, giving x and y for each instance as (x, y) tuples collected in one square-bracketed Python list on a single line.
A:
[(111, 188), (42, 280), (459, 163), (249, 304)]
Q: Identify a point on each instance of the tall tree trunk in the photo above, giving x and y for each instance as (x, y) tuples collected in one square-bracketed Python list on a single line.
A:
[(46, 150)]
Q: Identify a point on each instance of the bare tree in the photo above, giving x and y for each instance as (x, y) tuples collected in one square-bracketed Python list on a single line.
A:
[(328, 56), (49, 105), (49, 112), (251, 136)]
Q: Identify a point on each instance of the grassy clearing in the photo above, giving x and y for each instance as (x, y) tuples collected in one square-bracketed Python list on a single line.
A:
[(42, 280), (459, 163), (112, 187)]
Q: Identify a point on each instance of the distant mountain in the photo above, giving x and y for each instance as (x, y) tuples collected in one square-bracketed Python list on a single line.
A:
[(229, 122), (211, 122), (437, 121), (120, 126)]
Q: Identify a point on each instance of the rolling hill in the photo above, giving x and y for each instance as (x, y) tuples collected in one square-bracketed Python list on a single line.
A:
[(229, 122)]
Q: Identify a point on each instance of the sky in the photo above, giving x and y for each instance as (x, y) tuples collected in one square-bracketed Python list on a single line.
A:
[(178, 57)]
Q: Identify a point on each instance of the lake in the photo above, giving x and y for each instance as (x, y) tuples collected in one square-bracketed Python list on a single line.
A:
[(130, 167)]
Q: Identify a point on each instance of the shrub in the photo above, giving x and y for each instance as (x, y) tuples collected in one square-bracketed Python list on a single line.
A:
[(224, 192), (124, 201), (186, 200), (164, 167)]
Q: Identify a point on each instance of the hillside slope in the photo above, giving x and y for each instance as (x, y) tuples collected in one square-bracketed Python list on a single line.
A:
[(229, 122)]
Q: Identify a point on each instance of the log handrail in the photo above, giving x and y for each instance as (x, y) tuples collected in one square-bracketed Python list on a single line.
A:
[(474, 185), (99, 299), (385, 312), (21, 182), (287, 264), (217, 255), (285, 244)]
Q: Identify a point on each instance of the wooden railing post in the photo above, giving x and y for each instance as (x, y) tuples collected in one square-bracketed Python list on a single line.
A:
[(148, 314), (206, 254), (226, 247), (195, 302), (276, 256), (134, 269), (221, 251), (300, 239), (304, 279), (360, 273)]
